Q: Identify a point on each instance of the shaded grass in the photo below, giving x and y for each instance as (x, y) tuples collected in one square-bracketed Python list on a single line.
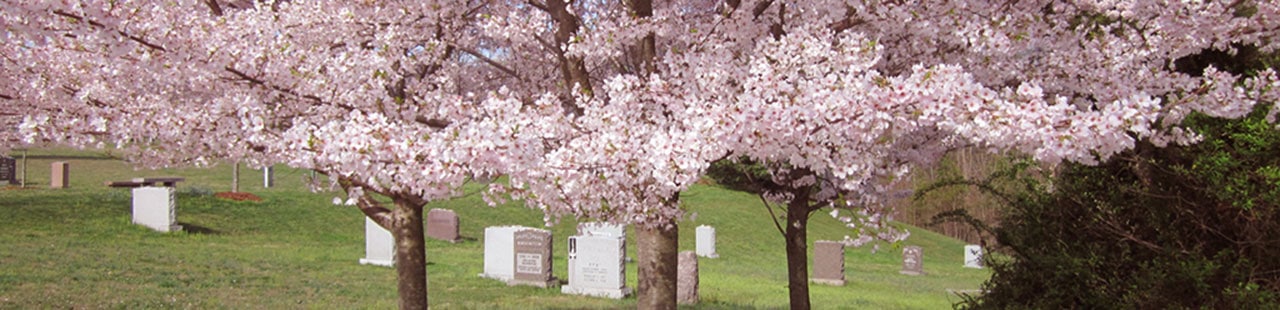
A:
[(76, 248)]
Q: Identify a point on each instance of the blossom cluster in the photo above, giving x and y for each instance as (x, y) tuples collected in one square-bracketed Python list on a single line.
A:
[(593, 110)]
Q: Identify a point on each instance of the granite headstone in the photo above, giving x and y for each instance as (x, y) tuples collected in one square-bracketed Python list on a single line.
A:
[(442, 224), (532, 263), (828, 262), (8, 170), (60, 174)]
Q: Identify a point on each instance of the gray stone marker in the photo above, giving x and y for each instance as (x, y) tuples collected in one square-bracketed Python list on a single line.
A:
[(973, 256), (601, 229), (596, 266), (533, 258), (60, 174), (442, 224), (499, 255), (8, 170), (706, 239), (687, 278), (379, 245), (156, 208), (828, 263), (912, 260)]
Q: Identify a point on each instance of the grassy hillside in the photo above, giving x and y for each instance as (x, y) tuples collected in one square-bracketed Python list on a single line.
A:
[(76, 248)]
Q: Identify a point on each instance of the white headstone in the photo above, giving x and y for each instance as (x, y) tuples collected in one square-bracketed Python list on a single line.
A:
[(268, 177), (156, 208), (499, 258), (601, 229), (706, 241), (379, 245), (596, 266), (973, 256), (912, 260)]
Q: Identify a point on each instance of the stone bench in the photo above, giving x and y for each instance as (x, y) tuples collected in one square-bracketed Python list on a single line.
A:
[(146, 182)]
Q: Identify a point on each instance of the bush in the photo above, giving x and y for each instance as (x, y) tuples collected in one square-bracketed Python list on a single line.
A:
[(741, 174), (1176, 227)]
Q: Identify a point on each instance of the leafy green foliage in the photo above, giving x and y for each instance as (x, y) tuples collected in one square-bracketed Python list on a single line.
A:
[(741, 174), (1177, 227)]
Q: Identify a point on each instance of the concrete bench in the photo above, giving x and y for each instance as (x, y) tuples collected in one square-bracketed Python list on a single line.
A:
[(146, 182)]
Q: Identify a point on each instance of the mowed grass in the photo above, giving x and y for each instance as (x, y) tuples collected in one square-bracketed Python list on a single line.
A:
[(76, 248)]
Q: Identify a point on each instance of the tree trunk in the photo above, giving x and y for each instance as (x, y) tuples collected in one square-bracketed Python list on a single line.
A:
[(411, 254), (235, 178), (797, 236), (658, 252), (24, 168)]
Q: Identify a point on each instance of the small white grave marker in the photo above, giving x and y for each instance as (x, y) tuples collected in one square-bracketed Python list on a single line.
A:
[(973, 256), (706, 241), (268, 177), (379, 245)]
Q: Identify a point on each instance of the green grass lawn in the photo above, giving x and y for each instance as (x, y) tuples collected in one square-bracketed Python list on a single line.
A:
[(76, 248)]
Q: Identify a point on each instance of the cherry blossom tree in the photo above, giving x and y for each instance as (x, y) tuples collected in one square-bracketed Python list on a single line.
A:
[(841, 98), (366, 93), (609, 109)]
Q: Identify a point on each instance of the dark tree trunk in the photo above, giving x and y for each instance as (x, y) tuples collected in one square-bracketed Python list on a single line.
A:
[(797, 236), (411, 254), (658, 252)]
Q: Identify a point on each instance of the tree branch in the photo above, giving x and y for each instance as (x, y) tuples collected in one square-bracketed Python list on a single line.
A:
[(214, 7), (487, 60), (133, 38), (256, 81), (539, 6)]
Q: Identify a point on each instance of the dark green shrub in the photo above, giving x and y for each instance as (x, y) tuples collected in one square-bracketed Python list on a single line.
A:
[(1155, 228)]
